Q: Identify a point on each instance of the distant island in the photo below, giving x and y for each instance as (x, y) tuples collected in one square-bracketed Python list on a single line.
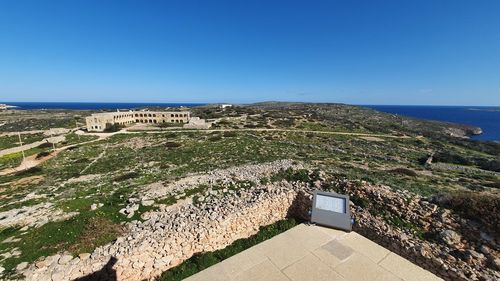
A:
[(496, 109)]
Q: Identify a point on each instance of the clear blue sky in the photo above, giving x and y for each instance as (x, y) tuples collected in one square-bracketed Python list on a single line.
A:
[(360, 52)]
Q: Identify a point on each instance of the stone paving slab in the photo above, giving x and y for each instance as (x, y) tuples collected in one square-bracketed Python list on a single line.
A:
[(314, 253)]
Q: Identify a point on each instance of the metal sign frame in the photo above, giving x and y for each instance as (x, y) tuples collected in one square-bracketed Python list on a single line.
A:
[(331, 218)]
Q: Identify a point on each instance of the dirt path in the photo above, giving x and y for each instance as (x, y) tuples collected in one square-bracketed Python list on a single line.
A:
[(96, 159), (124, 131), (22, 147), (31, 161), (23, 133)]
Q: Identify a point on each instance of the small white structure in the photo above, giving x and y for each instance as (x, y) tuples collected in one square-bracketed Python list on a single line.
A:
[(3, 106), (225, 105), (197, 123)]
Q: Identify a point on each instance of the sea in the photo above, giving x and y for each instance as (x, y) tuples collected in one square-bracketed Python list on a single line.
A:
[(485, 117), (93, 105)]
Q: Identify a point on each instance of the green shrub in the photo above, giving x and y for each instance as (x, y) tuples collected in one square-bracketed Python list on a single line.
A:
[(42, 154), (484, 207), (45, 145), (172, 144), (404, 171), (126, 176), (215, 138), (229, 134)]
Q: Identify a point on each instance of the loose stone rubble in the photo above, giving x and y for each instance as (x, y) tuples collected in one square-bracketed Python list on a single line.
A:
[(33, 216), (83, 178), (453, 247), (252, 172)]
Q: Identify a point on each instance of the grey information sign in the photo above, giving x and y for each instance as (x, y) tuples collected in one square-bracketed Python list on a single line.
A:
[(331, 209)]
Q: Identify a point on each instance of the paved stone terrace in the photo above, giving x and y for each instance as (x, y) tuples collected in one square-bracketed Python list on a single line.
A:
[(313, 253)]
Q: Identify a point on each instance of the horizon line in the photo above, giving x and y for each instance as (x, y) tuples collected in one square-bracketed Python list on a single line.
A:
[(244, 103)]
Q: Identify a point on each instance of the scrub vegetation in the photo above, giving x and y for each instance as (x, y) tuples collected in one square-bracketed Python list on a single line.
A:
[(93, 181)]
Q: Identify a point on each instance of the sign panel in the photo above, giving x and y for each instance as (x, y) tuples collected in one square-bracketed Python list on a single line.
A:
[(329, 203), (331, 209)]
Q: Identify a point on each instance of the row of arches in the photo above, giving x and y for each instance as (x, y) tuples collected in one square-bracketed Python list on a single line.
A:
[(155, 121), (161, 115), (122, 116)]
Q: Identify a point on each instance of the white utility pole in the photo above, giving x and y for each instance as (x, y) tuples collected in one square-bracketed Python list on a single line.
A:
[(76, 129), (21, 144), (53, 142)]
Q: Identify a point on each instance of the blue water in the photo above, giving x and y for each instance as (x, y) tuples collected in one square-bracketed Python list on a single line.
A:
[(487, 118), (93, 105)]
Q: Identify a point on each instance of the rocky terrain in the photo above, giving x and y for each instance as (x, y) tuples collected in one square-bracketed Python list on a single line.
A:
[(453, 247), (172, 234), (459, 250), (134, 204)]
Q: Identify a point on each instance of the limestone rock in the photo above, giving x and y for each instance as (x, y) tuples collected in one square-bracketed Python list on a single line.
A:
[(450, 237), (65, 259), (84, 256), (21, 266)]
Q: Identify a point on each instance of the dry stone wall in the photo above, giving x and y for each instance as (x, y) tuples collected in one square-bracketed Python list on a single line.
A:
[(171, 235), (432, 237)]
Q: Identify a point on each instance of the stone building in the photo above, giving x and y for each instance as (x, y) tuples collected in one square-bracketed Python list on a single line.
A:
[(98, 122), (161, 116)]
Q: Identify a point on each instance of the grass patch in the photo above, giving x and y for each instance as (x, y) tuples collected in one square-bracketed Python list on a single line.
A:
[(11, 160), (98, 231), (13, 141)]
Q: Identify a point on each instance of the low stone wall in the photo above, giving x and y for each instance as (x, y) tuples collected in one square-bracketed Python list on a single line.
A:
[(172, 235), (457, 249)]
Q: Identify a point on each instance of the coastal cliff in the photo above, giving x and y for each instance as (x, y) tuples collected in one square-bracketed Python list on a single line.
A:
[(463, 131)]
